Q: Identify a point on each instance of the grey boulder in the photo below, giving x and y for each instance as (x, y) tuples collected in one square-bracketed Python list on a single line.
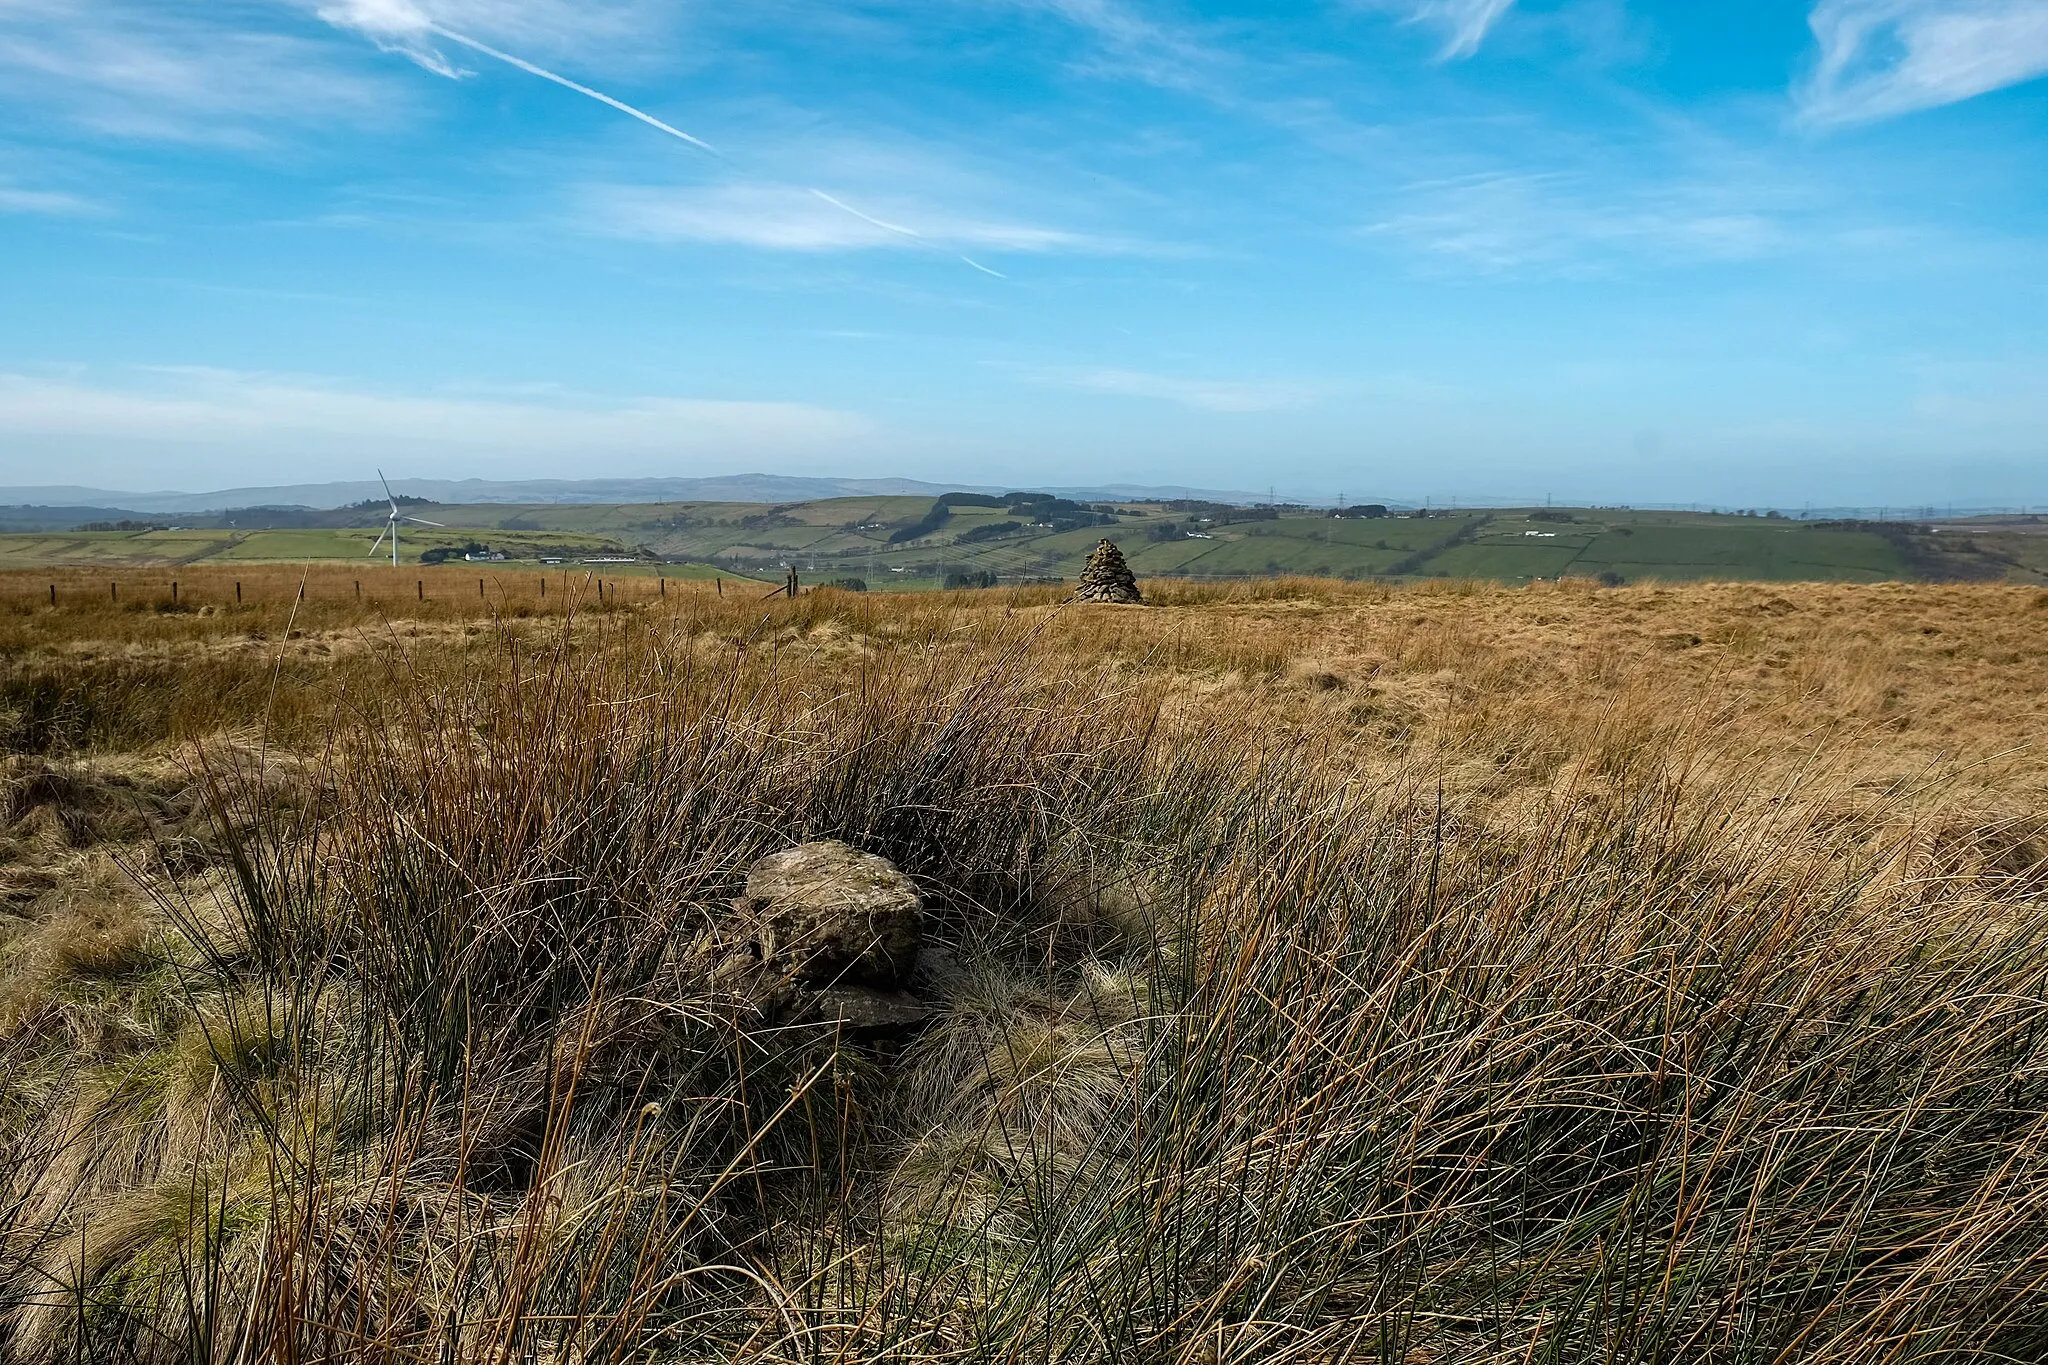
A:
[(826, 915)]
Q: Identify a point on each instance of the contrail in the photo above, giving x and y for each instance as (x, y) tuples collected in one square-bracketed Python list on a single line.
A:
[(651, 121), (598, 95), (913, 233), (844, 207)]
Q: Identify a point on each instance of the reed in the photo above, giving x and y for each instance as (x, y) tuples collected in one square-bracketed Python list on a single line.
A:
[(1571, 1022)]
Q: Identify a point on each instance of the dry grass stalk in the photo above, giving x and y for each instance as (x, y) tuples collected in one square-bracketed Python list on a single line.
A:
[(1321, 973)]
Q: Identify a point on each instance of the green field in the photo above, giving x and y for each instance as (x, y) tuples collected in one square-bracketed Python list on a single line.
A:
[(898, 543)]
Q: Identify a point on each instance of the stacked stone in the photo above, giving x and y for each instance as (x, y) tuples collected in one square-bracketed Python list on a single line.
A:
[(1107, 578)]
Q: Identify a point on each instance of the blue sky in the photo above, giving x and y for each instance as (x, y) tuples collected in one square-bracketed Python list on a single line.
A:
[(1739, 252)]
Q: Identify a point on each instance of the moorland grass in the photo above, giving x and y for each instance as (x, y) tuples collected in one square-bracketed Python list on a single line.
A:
[(1319, 974)]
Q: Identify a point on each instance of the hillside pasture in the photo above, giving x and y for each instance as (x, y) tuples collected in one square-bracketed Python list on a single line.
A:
[(899, 542)]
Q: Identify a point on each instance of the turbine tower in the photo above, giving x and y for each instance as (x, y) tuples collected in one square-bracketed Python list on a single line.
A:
[(391, 527)]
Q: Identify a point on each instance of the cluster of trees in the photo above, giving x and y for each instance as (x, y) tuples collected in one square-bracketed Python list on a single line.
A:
[(440, 554), (941, 512), (1036, 509), (1062, 514)]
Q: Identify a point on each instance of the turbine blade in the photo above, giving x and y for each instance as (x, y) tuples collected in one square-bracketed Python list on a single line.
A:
[(387, 492), (379, 543), (424, 522)]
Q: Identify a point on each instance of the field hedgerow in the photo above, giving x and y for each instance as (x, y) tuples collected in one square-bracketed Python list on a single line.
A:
[(1314, 974)]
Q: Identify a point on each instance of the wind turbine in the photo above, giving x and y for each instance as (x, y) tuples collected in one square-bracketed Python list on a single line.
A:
[(391, 527)]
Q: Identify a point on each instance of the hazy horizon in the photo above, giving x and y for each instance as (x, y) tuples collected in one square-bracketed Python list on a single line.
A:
[(764, 487), (1623, 251)]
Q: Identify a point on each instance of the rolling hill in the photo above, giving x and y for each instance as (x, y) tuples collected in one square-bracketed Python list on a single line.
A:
[(901, 541)]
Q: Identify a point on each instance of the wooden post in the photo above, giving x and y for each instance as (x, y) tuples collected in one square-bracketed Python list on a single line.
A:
[(114, 592), (53, 594), (664, 584), (543, 587), (721, 586), (359, 590), (238, 592), (174, 592), (422, 585), (479, 588)]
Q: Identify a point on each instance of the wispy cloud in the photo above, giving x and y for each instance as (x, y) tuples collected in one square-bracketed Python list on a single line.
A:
[(1134, 45), (618, 30), (402, 25), (1209, 395), (241, 414), (394, 26), (1508, 222), (1464, 23), (1882, 58), (151, 71), (779, 217), (51, 203)]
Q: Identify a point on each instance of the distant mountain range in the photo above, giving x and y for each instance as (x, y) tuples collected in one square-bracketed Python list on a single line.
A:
[(88, 504), (60, 507)]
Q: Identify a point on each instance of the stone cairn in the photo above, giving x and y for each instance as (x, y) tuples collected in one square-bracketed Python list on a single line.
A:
[(1107, 578)]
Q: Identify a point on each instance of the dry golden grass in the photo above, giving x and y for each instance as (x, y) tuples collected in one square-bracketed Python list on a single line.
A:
[(1322, 972)]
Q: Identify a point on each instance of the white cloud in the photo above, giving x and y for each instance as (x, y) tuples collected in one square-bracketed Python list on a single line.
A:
[(1497, 223), (780, 217), (623, 30), (1882, 58), (1209, 395), (1139, 47), (150, 71), (209, 73), (393, 19), (394, 26), (1463, 23), (223, 417), (54, 203)]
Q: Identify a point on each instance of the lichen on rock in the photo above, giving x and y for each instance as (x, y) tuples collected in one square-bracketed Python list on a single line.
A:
[(826, 932)]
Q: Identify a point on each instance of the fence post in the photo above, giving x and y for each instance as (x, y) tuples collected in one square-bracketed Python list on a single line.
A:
[(421, 584), (53, 594), (543, 587), (359, 590), (174, 592), (664, 584), (479, 588), (238, 592), (114, 592), (721, 586)]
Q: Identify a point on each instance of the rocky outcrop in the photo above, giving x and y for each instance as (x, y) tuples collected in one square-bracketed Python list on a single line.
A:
[(826, 933), (1107, 578)]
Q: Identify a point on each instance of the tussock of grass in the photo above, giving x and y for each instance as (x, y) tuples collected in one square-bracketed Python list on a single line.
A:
[(1253, 1038)]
